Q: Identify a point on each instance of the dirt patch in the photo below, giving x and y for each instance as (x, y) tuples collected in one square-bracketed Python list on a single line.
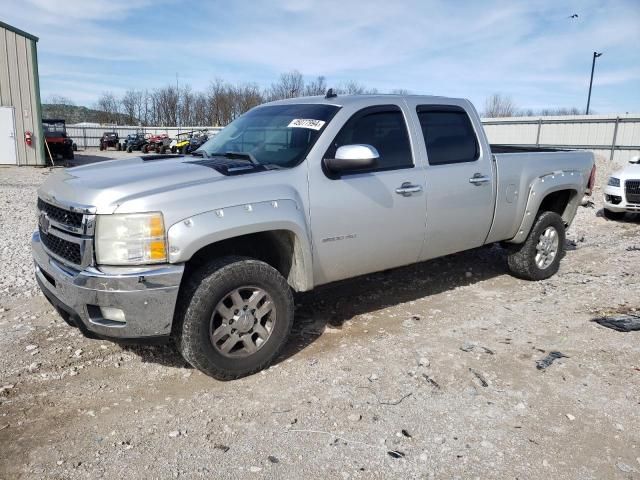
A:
[(423, 372)]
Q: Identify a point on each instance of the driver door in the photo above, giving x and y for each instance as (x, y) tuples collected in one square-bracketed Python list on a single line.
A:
[(369, 221)]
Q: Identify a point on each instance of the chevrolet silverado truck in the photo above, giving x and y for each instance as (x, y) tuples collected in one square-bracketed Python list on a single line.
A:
[(622, 193), (207, 249)]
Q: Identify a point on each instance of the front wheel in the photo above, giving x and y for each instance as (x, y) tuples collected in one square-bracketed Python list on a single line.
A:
[(611, 215), (233, 317), (539, 256)]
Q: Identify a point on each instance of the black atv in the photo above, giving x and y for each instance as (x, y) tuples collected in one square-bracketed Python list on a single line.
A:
[(196, 141), (134, 141), (110, 140)]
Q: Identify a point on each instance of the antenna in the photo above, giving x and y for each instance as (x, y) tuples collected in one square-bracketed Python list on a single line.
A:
[(330, 94)]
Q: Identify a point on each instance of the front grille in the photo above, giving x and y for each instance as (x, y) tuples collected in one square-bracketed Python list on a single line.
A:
[(60, 215), (632, 191), (62, 248)]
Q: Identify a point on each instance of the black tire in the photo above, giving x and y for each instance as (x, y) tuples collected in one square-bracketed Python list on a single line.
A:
[(145, 148), (129, 149), (200, 296), (163, 150), (69, 155), (611, 215), (118, 147), (101, 146), (173, 149), (75, 147), (522, 258)]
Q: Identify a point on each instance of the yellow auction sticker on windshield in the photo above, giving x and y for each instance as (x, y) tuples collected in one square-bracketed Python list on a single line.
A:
[(306, 123)]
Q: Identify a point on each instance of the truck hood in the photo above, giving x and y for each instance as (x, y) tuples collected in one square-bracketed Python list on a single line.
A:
[(107, 185)]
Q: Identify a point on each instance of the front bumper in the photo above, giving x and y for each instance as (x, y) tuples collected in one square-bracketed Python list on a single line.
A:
[(615, 200), (146, 295)]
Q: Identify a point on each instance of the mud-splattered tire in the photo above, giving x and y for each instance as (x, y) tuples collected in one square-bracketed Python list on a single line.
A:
[(539, 256), (201, 331), (611, 215)]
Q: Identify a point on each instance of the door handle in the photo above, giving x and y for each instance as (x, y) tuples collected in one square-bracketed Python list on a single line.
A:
[(407, 189), (479, 179)]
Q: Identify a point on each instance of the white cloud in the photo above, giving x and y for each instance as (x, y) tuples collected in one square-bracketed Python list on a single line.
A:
[(531, 50)]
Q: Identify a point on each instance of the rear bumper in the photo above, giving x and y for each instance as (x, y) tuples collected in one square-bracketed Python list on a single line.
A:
[(615, 200), (146, 296)]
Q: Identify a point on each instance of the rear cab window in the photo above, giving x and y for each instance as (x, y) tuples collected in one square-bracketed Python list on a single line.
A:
[(448, 134)]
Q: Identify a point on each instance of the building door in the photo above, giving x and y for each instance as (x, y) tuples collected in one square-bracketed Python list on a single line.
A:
[(7, 137)]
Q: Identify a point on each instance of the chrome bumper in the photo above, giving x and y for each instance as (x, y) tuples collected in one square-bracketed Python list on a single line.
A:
[(147, 295)]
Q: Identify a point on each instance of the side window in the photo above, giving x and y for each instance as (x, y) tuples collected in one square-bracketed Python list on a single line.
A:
[(448, 135), (383, 128)]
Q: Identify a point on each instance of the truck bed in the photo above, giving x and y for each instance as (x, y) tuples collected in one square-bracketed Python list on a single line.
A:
[(502, 148)]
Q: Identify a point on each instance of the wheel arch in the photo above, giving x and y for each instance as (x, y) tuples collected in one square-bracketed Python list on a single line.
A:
[(276, 234), (557, 192)]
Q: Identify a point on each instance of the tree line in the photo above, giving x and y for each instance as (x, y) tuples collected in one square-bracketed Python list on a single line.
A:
[(221, 102), (217, 105), (499, 105)]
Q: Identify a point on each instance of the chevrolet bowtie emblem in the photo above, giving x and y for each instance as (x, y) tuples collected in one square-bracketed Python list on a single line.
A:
[(44, 222)]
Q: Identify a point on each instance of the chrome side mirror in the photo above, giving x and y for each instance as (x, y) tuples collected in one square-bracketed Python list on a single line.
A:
[(352, 158)]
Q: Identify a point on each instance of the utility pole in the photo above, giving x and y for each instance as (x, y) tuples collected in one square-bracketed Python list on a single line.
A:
[(593, 66), (178, 102)]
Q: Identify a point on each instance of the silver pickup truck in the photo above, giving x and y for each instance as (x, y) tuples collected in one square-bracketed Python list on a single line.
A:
[(207, 249)]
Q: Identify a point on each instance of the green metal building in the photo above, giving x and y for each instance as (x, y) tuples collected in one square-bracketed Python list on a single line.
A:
[(20, 108)]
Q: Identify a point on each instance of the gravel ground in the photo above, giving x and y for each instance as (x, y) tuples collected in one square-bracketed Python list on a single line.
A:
[(423, 372)]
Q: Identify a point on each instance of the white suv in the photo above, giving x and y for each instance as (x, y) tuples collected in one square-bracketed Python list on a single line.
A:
[(622, 193)]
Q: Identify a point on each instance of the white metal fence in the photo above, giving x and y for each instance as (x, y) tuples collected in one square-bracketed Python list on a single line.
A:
[(615, 136), (89, 136)]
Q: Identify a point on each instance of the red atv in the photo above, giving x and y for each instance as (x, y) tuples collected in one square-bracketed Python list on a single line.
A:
[(157, 143), (57, 142)]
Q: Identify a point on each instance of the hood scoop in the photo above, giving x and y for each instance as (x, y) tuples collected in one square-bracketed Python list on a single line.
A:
[(228, 167), (151, 158)]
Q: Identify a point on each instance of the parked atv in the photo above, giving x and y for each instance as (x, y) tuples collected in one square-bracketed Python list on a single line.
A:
[(196, 141), (180, 143), (157, 143), (134, 141), (57, 141), (110, 140)]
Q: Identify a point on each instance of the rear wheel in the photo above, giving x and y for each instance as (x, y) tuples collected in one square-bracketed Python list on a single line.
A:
[(611, 215), (234, 315), (539, 256), (129, 149), (145, 148)]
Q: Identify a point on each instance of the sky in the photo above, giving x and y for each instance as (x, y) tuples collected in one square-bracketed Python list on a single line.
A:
[(530, 50)]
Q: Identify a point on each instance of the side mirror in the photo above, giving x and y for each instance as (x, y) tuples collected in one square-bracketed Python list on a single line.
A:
[(635, 160), (352, 158)]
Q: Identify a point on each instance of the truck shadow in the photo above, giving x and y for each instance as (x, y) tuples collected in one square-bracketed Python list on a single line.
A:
[(332, 305)]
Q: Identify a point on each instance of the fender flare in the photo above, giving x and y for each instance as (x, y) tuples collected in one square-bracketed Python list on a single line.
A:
[(191, 234), (540, 188)]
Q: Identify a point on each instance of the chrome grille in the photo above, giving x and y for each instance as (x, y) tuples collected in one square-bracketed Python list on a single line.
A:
[(632, 191), (60, 215), (62, 248), (67, 233)]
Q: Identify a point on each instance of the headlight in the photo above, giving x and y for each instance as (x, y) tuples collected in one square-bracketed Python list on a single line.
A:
[(130, 239), (613, 182)]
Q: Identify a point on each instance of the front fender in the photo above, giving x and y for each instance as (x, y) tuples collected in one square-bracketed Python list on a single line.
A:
[(191, 234)]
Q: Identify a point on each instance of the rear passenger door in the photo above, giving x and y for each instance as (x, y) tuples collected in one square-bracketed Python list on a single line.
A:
[(459, 180)]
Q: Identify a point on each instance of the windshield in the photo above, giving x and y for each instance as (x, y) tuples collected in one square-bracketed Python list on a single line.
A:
[(53, 129), (273, 135)]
